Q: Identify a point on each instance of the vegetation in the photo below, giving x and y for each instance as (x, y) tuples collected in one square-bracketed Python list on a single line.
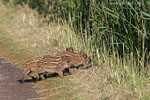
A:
[(9, 48), (122, 22), (114, 32)]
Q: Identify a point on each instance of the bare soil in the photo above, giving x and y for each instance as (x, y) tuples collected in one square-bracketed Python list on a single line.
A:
[(10, 86)]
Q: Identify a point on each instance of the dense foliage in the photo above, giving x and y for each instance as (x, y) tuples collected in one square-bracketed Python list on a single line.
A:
[(120, 25)]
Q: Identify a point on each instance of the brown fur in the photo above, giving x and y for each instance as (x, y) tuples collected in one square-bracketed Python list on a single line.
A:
[(29, 67), (69, 50), (40, 65), (76, 59), (49, 66), (66, 59), (51, 58)]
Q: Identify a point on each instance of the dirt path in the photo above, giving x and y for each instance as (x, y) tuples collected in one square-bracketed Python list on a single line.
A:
[(10, 86)]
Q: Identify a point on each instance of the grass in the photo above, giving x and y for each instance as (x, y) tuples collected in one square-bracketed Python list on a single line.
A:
[(57, 88), (19, 48), (38, 37), (12, 50), (9, 48), (24, 35)]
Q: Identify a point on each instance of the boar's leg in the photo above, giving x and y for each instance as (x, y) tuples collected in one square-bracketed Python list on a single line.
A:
[(60, 73)]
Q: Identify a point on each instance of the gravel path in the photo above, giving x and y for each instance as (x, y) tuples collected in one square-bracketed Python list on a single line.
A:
[(10, 86)]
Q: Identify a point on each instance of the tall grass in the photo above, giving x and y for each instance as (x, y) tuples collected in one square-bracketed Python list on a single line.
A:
[(126, 23), (114, 32)]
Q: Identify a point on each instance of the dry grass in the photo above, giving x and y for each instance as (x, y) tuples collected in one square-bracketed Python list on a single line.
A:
[(27, 28), (109, 80)]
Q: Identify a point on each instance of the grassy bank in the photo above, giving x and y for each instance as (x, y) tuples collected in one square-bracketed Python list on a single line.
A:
[(11, 50), (24, 35)]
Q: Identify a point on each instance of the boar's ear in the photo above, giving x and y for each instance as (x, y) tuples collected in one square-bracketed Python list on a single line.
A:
[(64, 58), (70, 49)]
